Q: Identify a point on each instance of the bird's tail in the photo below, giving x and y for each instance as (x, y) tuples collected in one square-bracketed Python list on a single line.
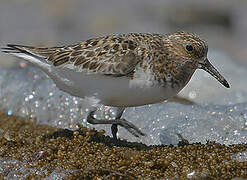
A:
[(36, 56)]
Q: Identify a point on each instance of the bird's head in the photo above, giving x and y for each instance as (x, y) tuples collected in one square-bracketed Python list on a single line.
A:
[(189, 48)]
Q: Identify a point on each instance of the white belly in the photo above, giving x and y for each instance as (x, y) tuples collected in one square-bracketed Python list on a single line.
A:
[(111, 91)]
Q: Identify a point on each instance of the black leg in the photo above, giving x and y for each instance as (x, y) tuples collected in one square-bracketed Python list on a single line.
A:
[(114, 128), (121, 122), (114, 131)]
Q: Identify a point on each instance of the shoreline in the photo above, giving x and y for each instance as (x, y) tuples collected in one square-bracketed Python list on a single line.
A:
[(91, 154)]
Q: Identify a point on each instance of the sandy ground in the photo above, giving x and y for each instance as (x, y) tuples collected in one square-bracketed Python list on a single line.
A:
[(94, 156)]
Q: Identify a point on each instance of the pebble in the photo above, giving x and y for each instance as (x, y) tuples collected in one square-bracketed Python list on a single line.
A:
[(94, 155)]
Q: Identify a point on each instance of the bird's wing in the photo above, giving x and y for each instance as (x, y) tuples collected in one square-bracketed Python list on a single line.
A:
[(110, 55)]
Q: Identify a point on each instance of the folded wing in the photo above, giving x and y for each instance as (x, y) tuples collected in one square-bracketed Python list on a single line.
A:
[(110, 55)]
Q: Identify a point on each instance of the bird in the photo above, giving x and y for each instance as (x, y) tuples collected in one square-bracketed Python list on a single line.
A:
[(122, 70)]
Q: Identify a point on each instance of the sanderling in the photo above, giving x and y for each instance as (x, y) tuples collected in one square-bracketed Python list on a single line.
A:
[(122, 70)]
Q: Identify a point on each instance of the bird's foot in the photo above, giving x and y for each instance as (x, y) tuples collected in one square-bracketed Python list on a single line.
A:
[(121, 122)]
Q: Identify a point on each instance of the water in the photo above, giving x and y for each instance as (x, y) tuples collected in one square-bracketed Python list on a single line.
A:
[(14, 169)]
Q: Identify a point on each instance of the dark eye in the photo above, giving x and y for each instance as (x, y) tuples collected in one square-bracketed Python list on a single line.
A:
[(189, 48)]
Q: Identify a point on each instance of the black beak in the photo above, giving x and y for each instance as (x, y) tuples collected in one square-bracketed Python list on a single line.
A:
[(207, 66)]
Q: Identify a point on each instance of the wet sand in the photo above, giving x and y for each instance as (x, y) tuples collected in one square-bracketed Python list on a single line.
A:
[(93, 155)]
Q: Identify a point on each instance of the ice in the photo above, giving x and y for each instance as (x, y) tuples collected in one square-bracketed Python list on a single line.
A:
[(219, 114)]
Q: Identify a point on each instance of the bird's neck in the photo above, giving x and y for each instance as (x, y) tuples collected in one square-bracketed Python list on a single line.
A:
[(173, 74)]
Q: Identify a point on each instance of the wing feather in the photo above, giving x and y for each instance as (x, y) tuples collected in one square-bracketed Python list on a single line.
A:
[(110, 55)]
